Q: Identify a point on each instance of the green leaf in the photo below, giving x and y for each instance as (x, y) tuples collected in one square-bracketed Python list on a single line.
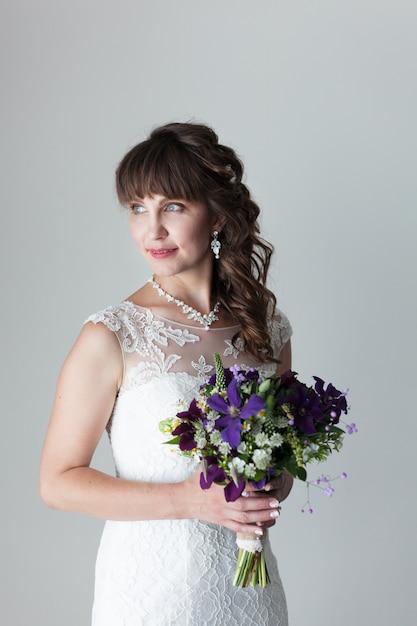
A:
[(301, 473), (265, 385), (174, 441)]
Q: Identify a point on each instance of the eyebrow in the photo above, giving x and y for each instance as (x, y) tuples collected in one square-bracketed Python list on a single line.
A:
[(162, 200)]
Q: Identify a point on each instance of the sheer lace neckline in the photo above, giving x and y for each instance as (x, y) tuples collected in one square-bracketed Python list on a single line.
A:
[(166, 319)]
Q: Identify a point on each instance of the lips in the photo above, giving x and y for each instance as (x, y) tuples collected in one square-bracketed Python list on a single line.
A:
[(161, 253)]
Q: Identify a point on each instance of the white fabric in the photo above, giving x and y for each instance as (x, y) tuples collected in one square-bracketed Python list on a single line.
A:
[(250, 545), (158, 573)]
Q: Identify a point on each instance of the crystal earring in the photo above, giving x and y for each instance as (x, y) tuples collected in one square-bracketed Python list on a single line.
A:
[(215, 244)]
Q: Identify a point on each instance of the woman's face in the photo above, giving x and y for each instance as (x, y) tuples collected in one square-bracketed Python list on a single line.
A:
[(172, 235)]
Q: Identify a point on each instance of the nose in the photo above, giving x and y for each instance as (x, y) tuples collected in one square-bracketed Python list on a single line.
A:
[(156, 229)]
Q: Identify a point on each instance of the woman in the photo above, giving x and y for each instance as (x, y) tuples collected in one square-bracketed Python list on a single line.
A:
[(168, 552)]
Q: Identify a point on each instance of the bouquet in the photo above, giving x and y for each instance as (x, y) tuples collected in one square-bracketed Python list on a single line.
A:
[(245, 428)]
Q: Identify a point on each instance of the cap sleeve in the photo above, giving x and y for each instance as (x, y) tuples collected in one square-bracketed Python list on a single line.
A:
[(126, 322), (281, 331)]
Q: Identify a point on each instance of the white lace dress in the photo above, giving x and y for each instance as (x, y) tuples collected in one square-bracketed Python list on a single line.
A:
[(166, 572)]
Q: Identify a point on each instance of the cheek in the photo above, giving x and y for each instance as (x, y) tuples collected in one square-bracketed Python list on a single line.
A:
[(135, 232), (200, 234)]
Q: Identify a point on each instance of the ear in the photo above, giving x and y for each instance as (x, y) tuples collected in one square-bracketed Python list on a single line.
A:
[(219, 223)]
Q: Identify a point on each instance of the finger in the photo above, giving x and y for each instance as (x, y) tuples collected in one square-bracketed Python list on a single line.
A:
[(266, 524), (260, 519), (275, 483), (257, 503), (257, 511), (261, 495)]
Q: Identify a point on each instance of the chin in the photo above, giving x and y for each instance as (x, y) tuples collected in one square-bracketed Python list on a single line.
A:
[(160, 269)]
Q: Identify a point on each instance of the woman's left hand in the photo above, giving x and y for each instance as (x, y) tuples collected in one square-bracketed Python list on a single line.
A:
[(278, 487)]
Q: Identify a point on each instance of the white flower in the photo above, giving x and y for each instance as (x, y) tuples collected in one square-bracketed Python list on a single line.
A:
[(282, 422), (215, 438), (238, 464), (211, 418), (276, 440), (250, 471), (256, 426), (242, 447), (224, 447), (200, 439), (309, 451), (261, 439), (262, 459)]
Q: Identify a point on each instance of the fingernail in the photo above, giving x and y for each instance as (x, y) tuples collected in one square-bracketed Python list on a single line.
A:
[(274, 504), (258, 531), (267, 487), (245, 494), (274, 514)]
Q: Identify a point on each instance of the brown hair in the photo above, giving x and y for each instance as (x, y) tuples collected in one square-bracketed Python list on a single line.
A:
[(185, 160)]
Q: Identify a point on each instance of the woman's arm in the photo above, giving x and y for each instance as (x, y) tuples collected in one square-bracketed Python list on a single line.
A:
[(85, 395)]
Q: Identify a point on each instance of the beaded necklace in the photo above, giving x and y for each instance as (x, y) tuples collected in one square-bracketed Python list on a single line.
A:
[(205, 319)]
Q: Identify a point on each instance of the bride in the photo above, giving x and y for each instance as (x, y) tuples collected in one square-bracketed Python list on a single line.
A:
[(168, 551)]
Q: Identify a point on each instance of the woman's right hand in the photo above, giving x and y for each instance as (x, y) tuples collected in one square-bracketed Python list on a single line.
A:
[(244, 515)]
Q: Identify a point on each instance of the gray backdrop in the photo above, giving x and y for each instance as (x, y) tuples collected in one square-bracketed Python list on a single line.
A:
[(319, 99)]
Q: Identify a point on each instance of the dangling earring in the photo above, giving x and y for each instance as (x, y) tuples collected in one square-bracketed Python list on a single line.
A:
[(215, 244)]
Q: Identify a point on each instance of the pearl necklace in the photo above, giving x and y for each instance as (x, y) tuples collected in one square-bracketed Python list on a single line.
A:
[(192, 314)]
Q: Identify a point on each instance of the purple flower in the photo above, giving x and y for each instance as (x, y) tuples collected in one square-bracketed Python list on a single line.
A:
[(233, 412), (211, 473), (186, 429), (305, 408), (333, 401), (288, 379), (238, 373), (260, 484), (186, 432), (212, 380), (232, 491), (351, 428)]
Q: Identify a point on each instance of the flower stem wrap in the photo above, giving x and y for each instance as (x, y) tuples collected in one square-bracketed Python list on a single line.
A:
[(251, 567)]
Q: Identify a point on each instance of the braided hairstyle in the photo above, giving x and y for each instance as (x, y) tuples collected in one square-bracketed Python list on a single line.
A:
[(186, 161)]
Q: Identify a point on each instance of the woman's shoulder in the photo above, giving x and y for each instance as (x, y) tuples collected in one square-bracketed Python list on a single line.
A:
[(114, 316), (126, 320), (281, 329)]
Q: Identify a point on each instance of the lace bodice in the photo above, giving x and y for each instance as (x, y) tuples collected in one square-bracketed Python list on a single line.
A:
[(187, 563), (150, 343)]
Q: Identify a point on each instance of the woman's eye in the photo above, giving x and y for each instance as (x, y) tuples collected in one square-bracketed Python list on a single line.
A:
[(137, 208), (174, 206)]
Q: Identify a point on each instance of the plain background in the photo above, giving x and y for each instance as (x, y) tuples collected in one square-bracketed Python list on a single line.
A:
[(319, 98)]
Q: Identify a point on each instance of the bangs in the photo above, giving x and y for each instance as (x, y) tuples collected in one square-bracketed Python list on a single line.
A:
[(162, 167)]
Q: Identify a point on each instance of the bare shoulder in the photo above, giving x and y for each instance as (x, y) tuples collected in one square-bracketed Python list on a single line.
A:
[(97, 353), (98, 338)]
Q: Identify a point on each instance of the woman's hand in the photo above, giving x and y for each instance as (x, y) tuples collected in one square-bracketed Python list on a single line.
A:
[(278, 487), (250, 513)]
